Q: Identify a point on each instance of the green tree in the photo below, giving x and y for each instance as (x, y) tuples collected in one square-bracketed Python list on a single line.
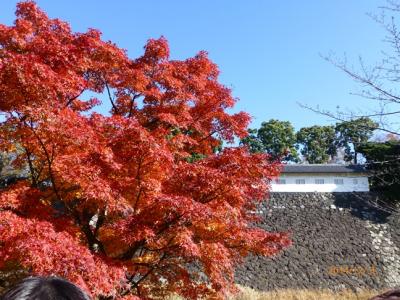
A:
[(317, 143), (253, 142), (279, 139), (352, 134), (274, 137), (384, 165)]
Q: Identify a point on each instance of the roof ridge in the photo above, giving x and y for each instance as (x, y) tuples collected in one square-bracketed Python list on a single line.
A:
[(323, 168)]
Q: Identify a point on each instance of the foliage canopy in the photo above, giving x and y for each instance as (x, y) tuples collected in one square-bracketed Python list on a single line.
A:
[(384, 165), (318, 143), (352, 134), (114, 202), (275, 137)]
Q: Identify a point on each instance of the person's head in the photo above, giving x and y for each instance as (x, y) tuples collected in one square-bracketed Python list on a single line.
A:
[(45, 288)]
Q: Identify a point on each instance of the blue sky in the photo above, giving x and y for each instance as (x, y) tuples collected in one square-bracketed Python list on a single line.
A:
[(268, 51)]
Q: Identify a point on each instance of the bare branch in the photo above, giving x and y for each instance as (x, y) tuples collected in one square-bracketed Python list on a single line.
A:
[(341, 119), (367, 80)]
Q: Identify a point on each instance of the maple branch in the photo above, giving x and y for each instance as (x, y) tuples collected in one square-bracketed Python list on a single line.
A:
[(14, 211), (39, 171), (49, 160), (135, 285), (211, 134), (168, 245), (91, 235), (132, 104), (132, 250), (137, 199), (28, 156), (170, 223), (206, 198), (138, 178), (110, 97), (101, 217), (31, 167), (73, 98), (152, 268), (152, 124)]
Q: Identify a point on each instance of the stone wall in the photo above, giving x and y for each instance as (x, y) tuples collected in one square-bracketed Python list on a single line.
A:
[(340, 240)]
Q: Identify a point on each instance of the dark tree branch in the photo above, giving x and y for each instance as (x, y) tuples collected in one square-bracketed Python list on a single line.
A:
[(110, 97), (91, 235), (364, 80), (132, 104), (341, 119), (73, 98), (31, 167), (49, 160)]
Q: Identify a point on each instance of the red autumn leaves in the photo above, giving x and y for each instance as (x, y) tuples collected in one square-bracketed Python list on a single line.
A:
[(123, 204)]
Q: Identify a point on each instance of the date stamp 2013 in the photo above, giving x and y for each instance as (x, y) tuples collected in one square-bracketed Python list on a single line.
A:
[(356, 270)]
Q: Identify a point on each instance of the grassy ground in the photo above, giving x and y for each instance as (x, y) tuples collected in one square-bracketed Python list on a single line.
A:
[(250, 294)]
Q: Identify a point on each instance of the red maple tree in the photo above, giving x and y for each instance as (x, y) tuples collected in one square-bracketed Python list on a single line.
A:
[(141, 202)]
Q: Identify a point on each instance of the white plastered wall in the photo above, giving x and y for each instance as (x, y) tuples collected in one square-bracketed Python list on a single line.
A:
[(355, 183)]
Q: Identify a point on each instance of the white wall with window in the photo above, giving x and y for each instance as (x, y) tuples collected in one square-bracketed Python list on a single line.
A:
[(321, 183)]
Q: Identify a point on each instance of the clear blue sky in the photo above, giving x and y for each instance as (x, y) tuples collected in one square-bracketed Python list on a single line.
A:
[(268, 51)]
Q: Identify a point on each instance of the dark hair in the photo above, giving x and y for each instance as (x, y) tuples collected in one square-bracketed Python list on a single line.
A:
[(45, 288)]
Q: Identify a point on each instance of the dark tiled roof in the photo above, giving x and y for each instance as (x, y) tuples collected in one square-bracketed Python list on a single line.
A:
[(323, 168)]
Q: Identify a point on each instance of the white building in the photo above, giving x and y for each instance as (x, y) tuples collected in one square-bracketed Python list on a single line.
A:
[(322, 178)]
